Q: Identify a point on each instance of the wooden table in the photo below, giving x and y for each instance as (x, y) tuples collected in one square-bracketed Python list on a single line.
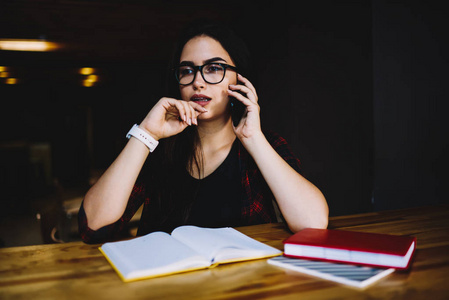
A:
[(79, 271)]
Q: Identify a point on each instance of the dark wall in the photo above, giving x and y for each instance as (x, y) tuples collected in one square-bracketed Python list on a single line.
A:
[(314, 80), (410, 58), (314, 76)]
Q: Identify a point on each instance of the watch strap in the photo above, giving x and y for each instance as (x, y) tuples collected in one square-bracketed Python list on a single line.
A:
[(143, 136)]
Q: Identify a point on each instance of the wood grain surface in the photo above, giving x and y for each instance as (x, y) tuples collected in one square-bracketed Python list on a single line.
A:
[(79, 271)]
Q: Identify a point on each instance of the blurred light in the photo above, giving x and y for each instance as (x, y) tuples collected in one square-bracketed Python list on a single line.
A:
[(28, 45), (4, 74), (92, 78), (3, 69), (87, 71), (11, 81), (87, 83)]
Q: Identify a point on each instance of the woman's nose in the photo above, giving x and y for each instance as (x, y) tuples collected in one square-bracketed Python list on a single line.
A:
[(199, 80)]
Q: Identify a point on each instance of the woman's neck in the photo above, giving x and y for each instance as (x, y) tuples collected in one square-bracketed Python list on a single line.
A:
[(216, 135), (216, 141)]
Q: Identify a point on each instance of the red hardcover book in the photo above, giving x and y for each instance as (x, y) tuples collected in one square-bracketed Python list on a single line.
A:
[(372, 249)]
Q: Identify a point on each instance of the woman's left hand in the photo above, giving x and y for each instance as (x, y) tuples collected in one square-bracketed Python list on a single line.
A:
[(245, 92)]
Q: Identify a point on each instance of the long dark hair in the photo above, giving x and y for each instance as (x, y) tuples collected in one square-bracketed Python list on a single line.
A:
[(182, 153), (238, 52)]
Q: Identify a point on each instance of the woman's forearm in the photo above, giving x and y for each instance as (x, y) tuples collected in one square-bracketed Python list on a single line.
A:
[(301, 203), (106, 201)]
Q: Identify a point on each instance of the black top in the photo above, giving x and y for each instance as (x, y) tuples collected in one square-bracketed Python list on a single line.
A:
[(160, 211), (218, 201)]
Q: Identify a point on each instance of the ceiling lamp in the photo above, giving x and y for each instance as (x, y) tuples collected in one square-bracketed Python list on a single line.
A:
[(28, 45)]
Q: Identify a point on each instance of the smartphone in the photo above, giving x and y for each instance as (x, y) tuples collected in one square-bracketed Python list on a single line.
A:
[(237, 111)]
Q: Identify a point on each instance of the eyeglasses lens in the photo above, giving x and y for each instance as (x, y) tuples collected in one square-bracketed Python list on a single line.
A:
[(212, 73)]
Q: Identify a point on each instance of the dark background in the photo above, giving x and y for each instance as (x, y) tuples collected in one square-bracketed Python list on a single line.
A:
[(358, 88)]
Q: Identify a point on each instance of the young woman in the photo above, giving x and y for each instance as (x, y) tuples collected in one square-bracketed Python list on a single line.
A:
[(204, 171)]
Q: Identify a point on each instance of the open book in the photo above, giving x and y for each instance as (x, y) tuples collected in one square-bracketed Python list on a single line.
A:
[(188, 248)]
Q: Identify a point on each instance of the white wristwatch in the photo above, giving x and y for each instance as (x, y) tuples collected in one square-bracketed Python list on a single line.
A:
[(142, 136)]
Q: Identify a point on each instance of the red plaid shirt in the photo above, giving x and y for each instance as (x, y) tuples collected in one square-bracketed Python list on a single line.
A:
[(257, 207)]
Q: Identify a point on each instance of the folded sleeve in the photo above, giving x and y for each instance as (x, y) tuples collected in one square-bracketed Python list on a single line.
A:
[(281, 146), (116, 230)]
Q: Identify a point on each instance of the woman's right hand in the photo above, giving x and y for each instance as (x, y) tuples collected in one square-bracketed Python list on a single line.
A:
[(170, 117), (107, 199)]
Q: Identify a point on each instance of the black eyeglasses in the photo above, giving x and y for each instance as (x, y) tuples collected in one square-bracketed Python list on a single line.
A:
[(212, 73)]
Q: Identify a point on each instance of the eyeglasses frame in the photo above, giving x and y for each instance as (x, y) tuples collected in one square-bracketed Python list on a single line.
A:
[(200, 68)]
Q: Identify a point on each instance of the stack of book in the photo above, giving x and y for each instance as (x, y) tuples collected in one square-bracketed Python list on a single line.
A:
[(353, 258)]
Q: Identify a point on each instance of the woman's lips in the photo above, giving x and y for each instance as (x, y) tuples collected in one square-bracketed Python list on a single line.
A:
[(200, 99)]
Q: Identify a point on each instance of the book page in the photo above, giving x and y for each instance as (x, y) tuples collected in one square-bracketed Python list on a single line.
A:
[(150, 255), (222, 244)]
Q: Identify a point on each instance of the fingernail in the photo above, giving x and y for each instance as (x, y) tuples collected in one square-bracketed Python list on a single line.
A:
[(195, 121), (189, 121)]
